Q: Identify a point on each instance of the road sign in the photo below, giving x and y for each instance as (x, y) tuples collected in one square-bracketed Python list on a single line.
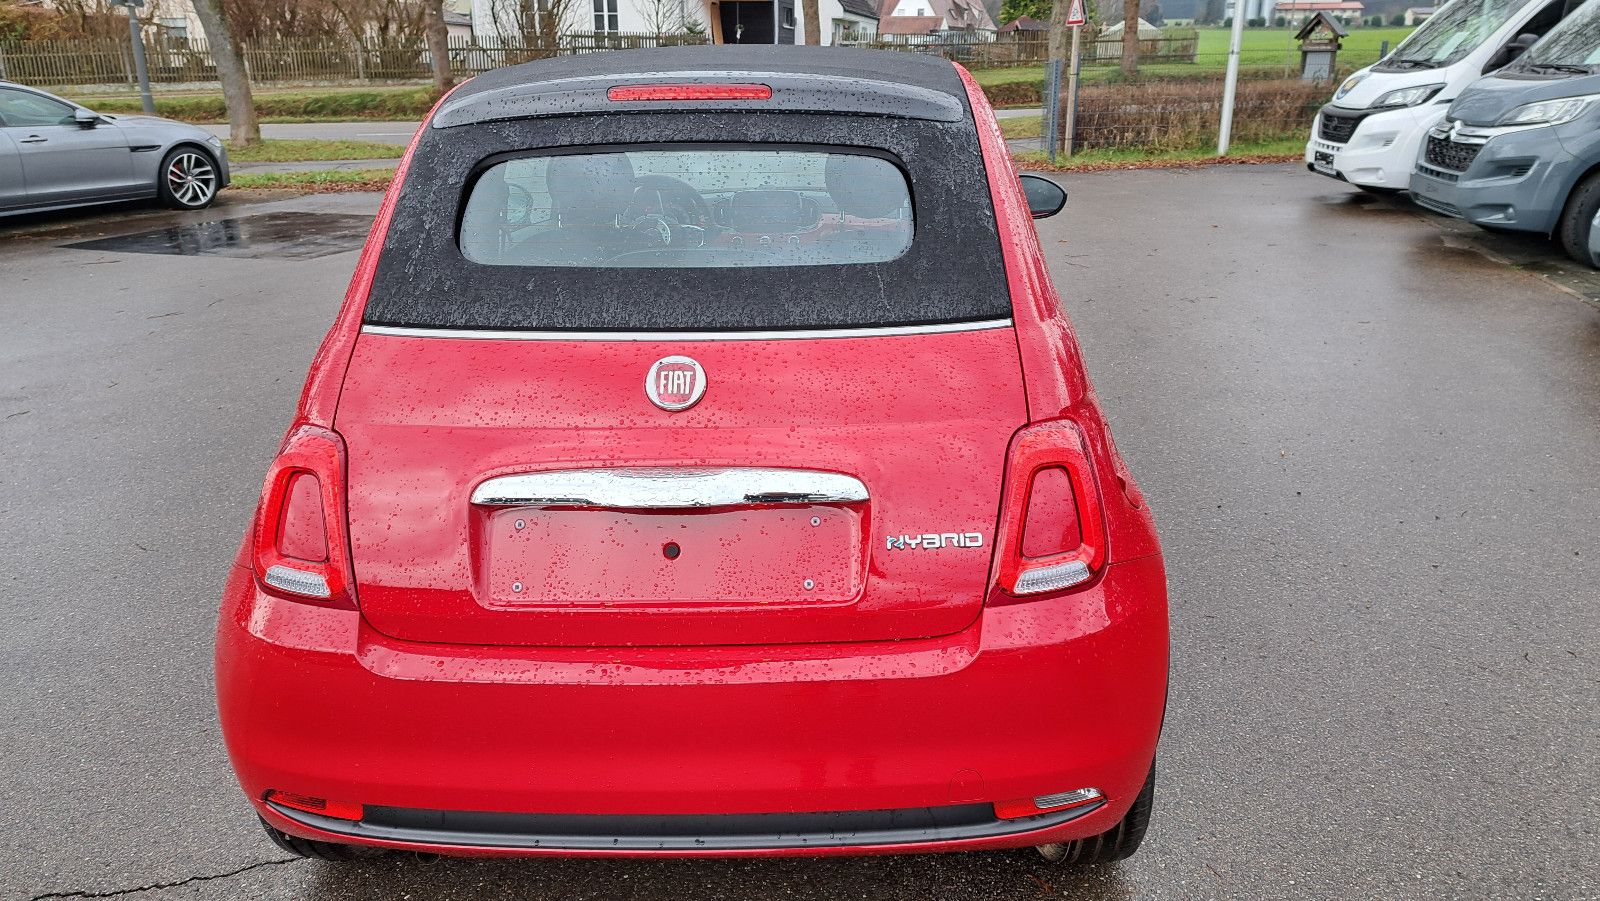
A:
[(1075, 15)]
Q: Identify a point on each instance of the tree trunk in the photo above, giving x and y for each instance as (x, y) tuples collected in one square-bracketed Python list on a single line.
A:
[(242, 125), (1130, 37), (1059, 33), (438, 37), (813, 16)]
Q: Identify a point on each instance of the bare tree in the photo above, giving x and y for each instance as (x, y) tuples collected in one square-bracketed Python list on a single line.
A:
[(663, 17), (242, 125), (438, 43), (537, 25), (1130, 37), (813, 17)]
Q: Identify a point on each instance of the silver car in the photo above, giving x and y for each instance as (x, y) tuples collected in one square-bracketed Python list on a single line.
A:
[(56, 154)]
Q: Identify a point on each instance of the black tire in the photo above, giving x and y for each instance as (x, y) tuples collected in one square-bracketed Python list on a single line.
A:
[(1573, 229), (188, 179), (1122, 840), (305, 847)]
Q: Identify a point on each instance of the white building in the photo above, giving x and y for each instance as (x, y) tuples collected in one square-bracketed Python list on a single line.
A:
[(843, 20), (725, 21)]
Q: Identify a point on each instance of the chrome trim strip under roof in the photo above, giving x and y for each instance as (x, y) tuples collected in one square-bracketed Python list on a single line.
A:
[(886, 331)]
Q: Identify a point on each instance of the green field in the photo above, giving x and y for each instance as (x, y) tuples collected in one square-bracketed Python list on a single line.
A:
[(1364, 42)]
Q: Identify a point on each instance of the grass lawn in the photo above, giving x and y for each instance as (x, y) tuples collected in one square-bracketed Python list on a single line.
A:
[(1022, 127), (304, 105), (1361, 42), (330, 181), (1253, 151), (299, 150)]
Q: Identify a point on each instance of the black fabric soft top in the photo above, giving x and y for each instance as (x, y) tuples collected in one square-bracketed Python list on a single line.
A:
[(952, 272), (915, 69), (802, 79)]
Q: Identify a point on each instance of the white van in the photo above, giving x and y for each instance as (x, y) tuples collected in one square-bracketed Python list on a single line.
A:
[(1370, 134)]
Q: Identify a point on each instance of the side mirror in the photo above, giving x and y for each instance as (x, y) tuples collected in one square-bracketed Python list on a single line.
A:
[(1045, 197), (85, 118)]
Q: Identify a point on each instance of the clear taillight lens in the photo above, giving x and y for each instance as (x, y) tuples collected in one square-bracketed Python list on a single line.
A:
[(1053, 528), (300, 544)]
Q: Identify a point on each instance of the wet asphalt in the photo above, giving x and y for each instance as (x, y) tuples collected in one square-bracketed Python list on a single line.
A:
[(1373, 448)]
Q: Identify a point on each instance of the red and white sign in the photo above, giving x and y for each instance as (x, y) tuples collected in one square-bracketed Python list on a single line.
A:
[(675, 383), (1076, 15)]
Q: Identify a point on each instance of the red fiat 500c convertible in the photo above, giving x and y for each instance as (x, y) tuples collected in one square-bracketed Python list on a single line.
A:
[(700, 464)]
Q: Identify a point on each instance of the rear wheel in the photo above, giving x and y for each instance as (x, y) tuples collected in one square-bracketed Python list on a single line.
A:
[(1578, 218), (1116, 844), (305, 847), (188, 179)]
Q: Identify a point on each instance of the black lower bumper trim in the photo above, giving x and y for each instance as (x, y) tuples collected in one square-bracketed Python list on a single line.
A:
[(688, 832)]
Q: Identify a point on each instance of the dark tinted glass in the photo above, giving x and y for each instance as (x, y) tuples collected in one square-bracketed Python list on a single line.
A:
[(688, 208)]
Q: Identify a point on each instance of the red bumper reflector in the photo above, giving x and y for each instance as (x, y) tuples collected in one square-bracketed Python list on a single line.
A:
[(690, 92), (339, 810), (1031, 807)]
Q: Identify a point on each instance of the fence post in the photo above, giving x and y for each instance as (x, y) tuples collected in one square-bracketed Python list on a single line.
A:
[(1052, 108), (1071, 141)]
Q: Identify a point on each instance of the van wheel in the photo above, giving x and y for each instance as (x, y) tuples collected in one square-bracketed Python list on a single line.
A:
[(1117, 844), (1576, 219), (305, 847)]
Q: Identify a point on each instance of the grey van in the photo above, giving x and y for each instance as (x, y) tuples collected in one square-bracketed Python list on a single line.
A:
[(1519, 150)]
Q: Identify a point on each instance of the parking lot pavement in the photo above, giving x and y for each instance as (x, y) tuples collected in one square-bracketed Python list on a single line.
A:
[(1372, 452)]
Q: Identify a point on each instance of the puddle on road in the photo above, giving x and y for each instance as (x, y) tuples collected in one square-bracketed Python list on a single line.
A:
[(282, 235)]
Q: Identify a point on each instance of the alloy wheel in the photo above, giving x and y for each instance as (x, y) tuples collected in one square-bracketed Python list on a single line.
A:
[(191, 178)]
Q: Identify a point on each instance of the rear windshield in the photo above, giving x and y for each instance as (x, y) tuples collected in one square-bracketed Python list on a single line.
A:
[(689, 208), (692, 222)]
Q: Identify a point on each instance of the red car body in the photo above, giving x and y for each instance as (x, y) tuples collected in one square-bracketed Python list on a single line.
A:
[(914, 695)]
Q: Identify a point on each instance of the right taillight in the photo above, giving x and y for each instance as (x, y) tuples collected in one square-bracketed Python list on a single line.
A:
[(1052, 532), (300, 547)]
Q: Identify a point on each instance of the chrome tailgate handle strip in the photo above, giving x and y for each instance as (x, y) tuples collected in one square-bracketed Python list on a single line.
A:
[(668, 488)]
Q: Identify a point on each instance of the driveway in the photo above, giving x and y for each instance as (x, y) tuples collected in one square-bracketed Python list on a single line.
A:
[(1372, 451)]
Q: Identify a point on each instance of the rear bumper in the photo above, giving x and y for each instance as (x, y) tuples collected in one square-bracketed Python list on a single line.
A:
[(1048, 696)]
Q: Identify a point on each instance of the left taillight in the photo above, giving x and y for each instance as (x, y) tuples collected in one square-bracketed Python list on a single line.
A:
[(1052, 532), (301, 549)]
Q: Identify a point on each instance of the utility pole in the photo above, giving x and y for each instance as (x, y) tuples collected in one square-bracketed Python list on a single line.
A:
[(1231, 85), (139, 64)]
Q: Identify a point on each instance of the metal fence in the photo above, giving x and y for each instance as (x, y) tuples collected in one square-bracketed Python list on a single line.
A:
[(109, 61), (990, 50), (180, 61)]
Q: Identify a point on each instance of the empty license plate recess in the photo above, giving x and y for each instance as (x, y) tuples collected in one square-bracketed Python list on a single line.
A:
[(731, 557)]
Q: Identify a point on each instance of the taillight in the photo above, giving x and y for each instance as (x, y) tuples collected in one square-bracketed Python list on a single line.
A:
[(1052, 529), (300, 546), (626, 92)]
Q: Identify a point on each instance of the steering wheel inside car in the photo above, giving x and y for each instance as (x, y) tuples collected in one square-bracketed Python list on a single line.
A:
[(661, 202)]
